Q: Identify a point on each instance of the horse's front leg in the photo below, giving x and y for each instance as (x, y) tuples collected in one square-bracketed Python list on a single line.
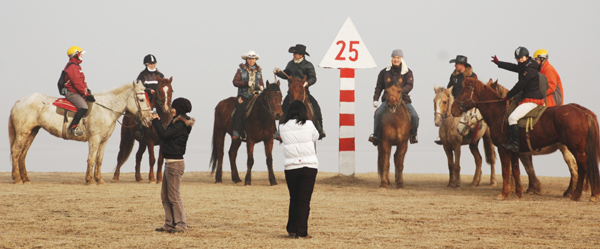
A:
[(233, 149), (478, 162), (399, 163), (99, 159), (456, 168), (152, 160), (383, 161), (450, 157), (94, 146), (516, 171), (250, 149), (269, 153), (138, 160), (505, 162), (535, 186)]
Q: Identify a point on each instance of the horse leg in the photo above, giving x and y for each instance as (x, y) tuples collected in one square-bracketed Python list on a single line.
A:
[(505, 162), (233, 149), (456, 169), (581, 159), (269, 153), (450, 157), (28, 142), (250, 163), (138, 160), (535, 186), (399, 163), (490, 155), (572, 164), (516, 171), (384, 149), (152, 159), (125, 148), (478, 161), (93, 144), (159, 165), (99, 158)]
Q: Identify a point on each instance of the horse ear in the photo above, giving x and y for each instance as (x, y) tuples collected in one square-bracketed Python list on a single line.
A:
[(435, 88), (171, 79), (278, 83), (304, 79), (450, 89)]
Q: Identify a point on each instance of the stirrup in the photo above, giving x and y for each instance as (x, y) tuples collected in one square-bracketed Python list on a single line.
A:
[(373, 139)]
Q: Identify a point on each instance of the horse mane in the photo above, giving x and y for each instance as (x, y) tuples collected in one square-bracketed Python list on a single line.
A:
[(118, 90), (392, 83), (480, 87)]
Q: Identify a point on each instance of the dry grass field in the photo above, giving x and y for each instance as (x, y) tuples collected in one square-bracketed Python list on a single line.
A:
[(58, 211)]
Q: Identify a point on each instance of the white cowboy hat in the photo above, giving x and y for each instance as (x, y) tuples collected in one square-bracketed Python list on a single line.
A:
[(250, 54)]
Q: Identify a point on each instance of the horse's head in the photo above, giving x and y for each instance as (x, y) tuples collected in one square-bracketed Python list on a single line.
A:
[(466, 98), (296, 90), (497, 87), (272, 99), (468, 121), (441, 103), (394, 96), (139, 104), (164, 94)]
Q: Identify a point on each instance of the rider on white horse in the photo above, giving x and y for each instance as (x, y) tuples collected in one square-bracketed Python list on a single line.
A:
[(77, 90)]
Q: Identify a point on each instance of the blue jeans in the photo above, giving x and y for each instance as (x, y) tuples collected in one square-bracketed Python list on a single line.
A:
[(414, 119)]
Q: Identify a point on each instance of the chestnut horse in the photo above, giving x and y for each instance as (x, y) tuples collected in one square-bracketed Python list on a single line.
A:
[(535, 185), (162, 102), (36, 111), (572, 125), (297, 91), (452, 140), (395, 130), (259, 127)]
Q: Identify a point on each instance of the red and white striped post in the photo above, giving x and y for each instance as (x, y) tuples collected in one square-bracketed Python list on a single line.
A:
[(346, 152), (347, 52)]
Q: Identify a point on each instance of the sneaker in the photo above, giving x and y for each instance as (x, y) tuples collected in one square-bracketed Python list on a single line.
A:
[(414, 139), (161, 229), (292, 235), (373, 139), (75, 131), (304, 237), (176, 230), (322, 135)]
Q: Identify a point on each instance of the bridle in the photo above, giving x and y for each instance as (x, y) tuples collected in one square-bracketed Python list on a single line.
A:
[(463, 106), (265, 104)]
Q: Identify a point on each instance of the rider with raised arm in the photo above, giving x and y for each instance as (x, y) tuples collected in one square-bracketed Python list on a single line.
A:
[(248, 79), (299, 67), (77, 89), (528, 85)]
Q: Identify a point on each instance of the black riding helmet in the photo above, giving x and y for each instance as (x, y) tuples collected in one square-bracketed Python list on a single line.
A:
[(149, 59), (520, 52)]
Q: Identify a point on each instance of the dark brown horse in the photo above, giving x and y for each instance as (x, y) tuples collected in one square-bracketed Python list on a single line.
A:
[(259, 127), (395, 130), (535, 186), (162, 102), (297, 91), (572, 125)]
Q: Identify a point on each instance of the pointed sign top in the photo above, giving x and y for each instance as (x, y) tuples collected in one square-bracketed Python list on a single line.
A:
[(348, 50)]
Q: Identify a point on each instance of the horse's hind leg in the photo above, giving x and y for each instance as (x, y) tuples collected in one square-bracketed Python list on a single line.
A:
[(399, 163), (125, 148), (250, 163), (535, 186), (478, 162), (581, 159), (23, 169), (138, 160), (152, 161), (572, 164), (383, 161), (516, 172), (269, 153), (233, 149)]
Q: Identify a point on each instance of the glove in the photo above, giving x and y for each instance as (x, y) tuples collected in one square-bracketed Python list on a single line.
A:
[(261, 88), (276, 70), (375, 103), (89, 91), (90, 98), (495, 59), (305, 84), (505, 98)]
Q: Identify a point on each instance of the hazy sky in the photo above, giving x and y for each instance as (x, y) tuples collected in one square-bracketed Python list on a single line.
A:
[(199, 43)]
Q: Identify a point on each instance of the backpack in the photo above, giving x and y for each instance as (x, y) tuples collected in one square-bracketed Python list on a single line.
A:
[(543, 85), (61, 81)]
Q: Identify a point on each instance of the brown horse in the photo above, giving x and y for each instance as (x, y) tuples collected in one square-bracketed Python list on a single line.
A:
[(395, 130), (572, 125), (162, 102), (452, 140), (259, 127), (535, 185), (297, 91)]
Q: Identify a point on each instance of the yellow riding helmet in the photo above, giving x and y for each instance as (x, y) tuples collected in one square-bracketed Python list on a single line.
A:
[(542, 53), (72, 51)]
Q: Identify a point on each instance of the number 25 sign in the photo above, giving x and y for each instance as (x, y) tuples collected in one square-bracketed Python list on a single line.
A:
[(347, 50)]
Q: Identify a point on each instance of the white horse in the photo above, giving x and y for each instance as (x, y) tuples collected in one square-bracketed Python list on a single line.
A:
[(469, 120), (36, 111)]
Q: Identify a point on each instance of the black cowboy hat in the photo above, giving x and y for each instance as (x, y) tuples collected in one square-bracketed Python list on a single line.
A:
[(298, 49), (461, 59)]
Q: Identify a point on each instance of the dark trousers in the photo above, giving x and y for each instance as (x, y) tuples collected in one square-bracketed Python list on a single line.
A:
[(301, 183), (238, 116), (318, 117), (414, 119)]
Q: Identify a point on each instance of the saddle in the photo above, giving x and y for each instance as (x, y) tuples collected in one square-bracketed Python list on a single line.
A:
[(67, 109), (248, 106), (528, 121)]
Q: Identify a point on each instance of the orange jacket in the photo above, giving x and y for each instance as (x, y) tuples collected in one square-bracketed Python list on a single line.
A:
[(554, 84)]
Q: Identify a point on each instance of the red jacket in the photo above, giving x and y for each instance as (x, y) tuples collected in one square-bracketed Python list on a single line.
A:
[(75, 78), (554, 84)]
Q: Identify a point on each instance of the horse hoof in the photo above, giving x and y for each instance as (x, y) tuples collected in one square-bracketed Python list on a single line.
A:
[(100, 182), (247, 183), (493, 184), (26, 182), (273, 183), (18, 181), (594, 198), (114, 180), (399, 186), (501, 197), (90, 183)]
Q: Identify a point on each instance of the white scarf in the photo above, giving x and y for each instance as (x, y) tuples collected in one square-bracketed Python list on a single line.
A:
[(404, 68), (299, 60), (151, 70)]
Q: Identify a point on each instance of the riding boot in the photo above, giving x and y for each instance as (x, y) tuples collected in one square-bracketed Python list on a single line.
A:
[(238, 121), (513, 143), (73, 126), (318, 117), (374, 138), (438, 142)]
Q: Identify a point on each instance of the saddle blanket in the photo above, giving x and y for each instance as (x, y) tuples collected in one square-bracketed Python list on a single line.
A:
[(532, 117), (65, 104)]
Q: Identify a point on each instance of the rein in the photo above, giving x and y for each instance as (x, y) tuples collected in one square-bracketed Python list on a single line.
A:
[(472, 89), (138, 116)]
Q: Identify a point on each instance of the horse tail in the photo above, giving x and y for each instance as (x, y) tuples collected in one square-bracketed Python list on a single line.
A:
[(12, 134), (592, 149), (214, 155), (488, 147)]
